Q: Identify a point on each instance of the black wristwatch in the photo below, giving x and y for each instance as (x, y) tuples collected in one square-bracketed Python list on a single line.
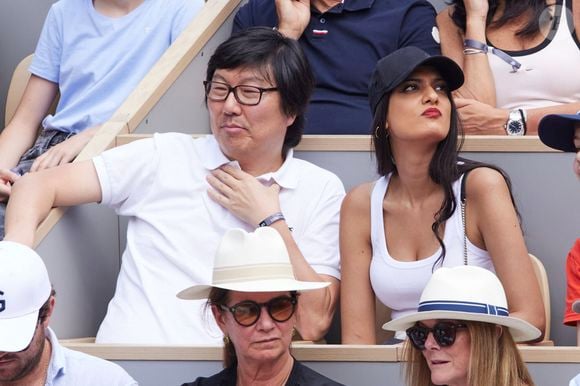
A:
[(516, 123)]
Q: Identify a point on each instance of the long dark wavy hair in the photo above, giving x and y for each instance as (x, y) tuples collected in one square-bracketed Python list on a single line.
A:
[(513, 9), (445, 167)]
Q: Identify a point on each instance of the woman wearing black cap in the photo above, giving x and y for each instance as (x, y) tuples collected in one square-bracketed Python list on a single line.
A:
[(396, 231)]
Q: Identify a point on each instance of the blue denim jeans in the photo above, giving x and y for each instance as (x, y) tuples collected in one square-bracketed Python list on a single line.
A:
[(47, 139)]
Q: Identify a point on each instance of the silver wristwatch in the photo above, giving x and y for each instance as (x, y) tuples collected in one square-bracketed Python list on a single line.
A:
[(516, 123)]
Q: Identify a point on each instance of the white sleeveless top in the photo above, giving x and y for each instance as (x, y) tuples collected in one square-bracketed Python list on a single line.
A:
[(398, 284), (553, 69)]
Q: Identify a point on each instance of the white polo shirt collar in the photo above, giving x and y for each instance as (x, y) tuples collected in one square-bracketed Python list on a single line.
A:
[(212, 158)]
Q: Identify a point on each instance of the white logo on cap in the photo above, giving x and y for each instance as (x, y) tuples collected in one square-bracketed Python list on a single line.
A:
[(2, 303), (435, 34)]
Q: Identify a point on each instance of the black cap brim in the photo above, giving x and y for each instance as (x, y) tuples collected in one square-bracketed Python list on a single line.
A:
[(557, 131)]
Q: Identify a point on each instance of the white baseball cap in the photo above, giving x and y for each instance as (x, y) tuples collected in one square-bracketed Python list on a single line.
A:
[(252, 262), (24, 288)]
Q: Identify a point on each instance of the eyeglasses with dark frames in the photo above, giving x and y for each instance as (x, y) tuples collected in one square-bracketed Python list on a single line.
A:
[(248, 312), (244, 94), (443, 332)]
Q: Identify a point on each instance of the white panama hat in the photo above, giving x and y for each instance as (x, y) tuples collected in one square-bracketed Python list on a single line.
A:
[(466, 293), (252, 262), (24, 288)]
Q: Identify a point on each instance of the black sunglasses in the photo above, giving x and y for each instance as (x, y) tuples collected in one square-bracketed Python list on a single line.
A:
[(443, 332), (248, 312)]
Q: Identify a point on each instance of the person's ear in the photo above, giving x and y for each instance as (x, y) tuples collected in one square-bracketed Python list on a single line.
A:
[(49, 311), (219, 317), (290, 120)]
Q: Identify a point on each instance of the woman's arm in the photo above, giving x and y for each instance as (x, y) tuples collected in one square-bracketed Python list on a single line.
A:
[(492, 224), (480, 118), (357, 301), (479, 82)]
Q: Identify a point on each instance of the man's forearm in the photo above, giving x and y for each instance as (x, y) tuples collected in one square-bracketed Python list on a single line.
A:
[(316, 307)]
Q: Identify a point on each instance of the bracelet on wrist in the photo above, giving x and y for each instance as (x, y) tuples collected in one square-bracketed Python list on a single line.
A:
[(271, 219), (471, 44), (472, 47), (472, 51)]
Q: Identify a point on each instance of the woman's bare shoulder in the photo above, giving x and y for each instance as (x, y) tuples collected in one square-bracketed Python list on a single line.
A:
[(483, 180), (359, 197)]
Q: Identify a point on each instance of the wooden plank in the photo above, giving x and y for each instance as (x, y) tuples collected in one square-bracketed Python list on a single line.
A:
[(347, 143), (303, 352), (546, 354)]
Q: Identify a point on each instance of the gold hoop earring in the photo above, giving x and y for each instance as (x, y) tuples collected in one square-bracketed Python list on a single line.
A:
[(226, 340), (377, 131)]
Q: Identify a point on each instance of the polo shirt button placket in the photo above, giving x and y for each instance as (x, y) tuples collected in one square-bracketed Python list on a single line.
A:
[(320, 32)]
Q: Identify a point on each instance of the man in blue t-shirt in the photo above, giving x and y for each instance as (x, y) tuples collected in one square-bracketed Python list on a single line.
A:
[(92, 53), (343, 40)]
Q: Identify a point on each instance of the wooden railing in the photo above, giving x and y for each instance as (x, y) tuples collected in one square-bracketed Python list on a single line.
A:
[(473, 143), (303, 352)]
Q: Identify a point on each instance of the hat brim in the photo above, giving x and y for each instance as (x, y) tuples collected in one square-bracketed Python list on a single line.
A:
[(521, 330), (16, 333), (271, 285), (449, 70), (557, 131)]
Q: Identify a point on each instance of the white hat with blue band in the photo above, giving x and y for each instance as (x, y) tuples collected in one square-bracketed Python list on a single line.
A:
[(465, 293)]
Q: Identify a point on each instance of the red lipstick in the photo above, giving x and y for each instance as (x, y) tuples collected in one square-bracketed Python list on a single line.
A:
[(432, 112)]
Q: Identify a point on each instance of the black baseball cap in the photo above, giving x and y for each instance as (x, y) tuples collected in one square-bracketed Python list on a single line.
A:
[(557, 131), (397, 66)]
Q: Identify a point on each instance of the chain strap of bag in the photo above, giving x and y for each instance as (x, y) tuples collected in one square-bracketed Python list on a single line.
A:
[(463, 201)]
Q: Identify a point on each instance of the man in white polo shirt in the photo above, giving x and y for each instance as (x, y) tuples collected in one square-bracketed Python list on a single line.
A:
[(29, 350), (181, 195)]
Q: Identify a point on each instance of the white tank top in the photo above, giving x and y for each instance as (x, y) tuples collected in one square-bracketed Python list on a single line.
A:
[(550, 73), (398, 284)]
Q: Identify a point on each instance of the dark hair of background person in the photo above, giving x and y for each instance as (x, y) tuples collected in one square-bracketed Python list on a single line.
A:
[(273, 55), (494, 359), (513, 9), (445, 168)]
